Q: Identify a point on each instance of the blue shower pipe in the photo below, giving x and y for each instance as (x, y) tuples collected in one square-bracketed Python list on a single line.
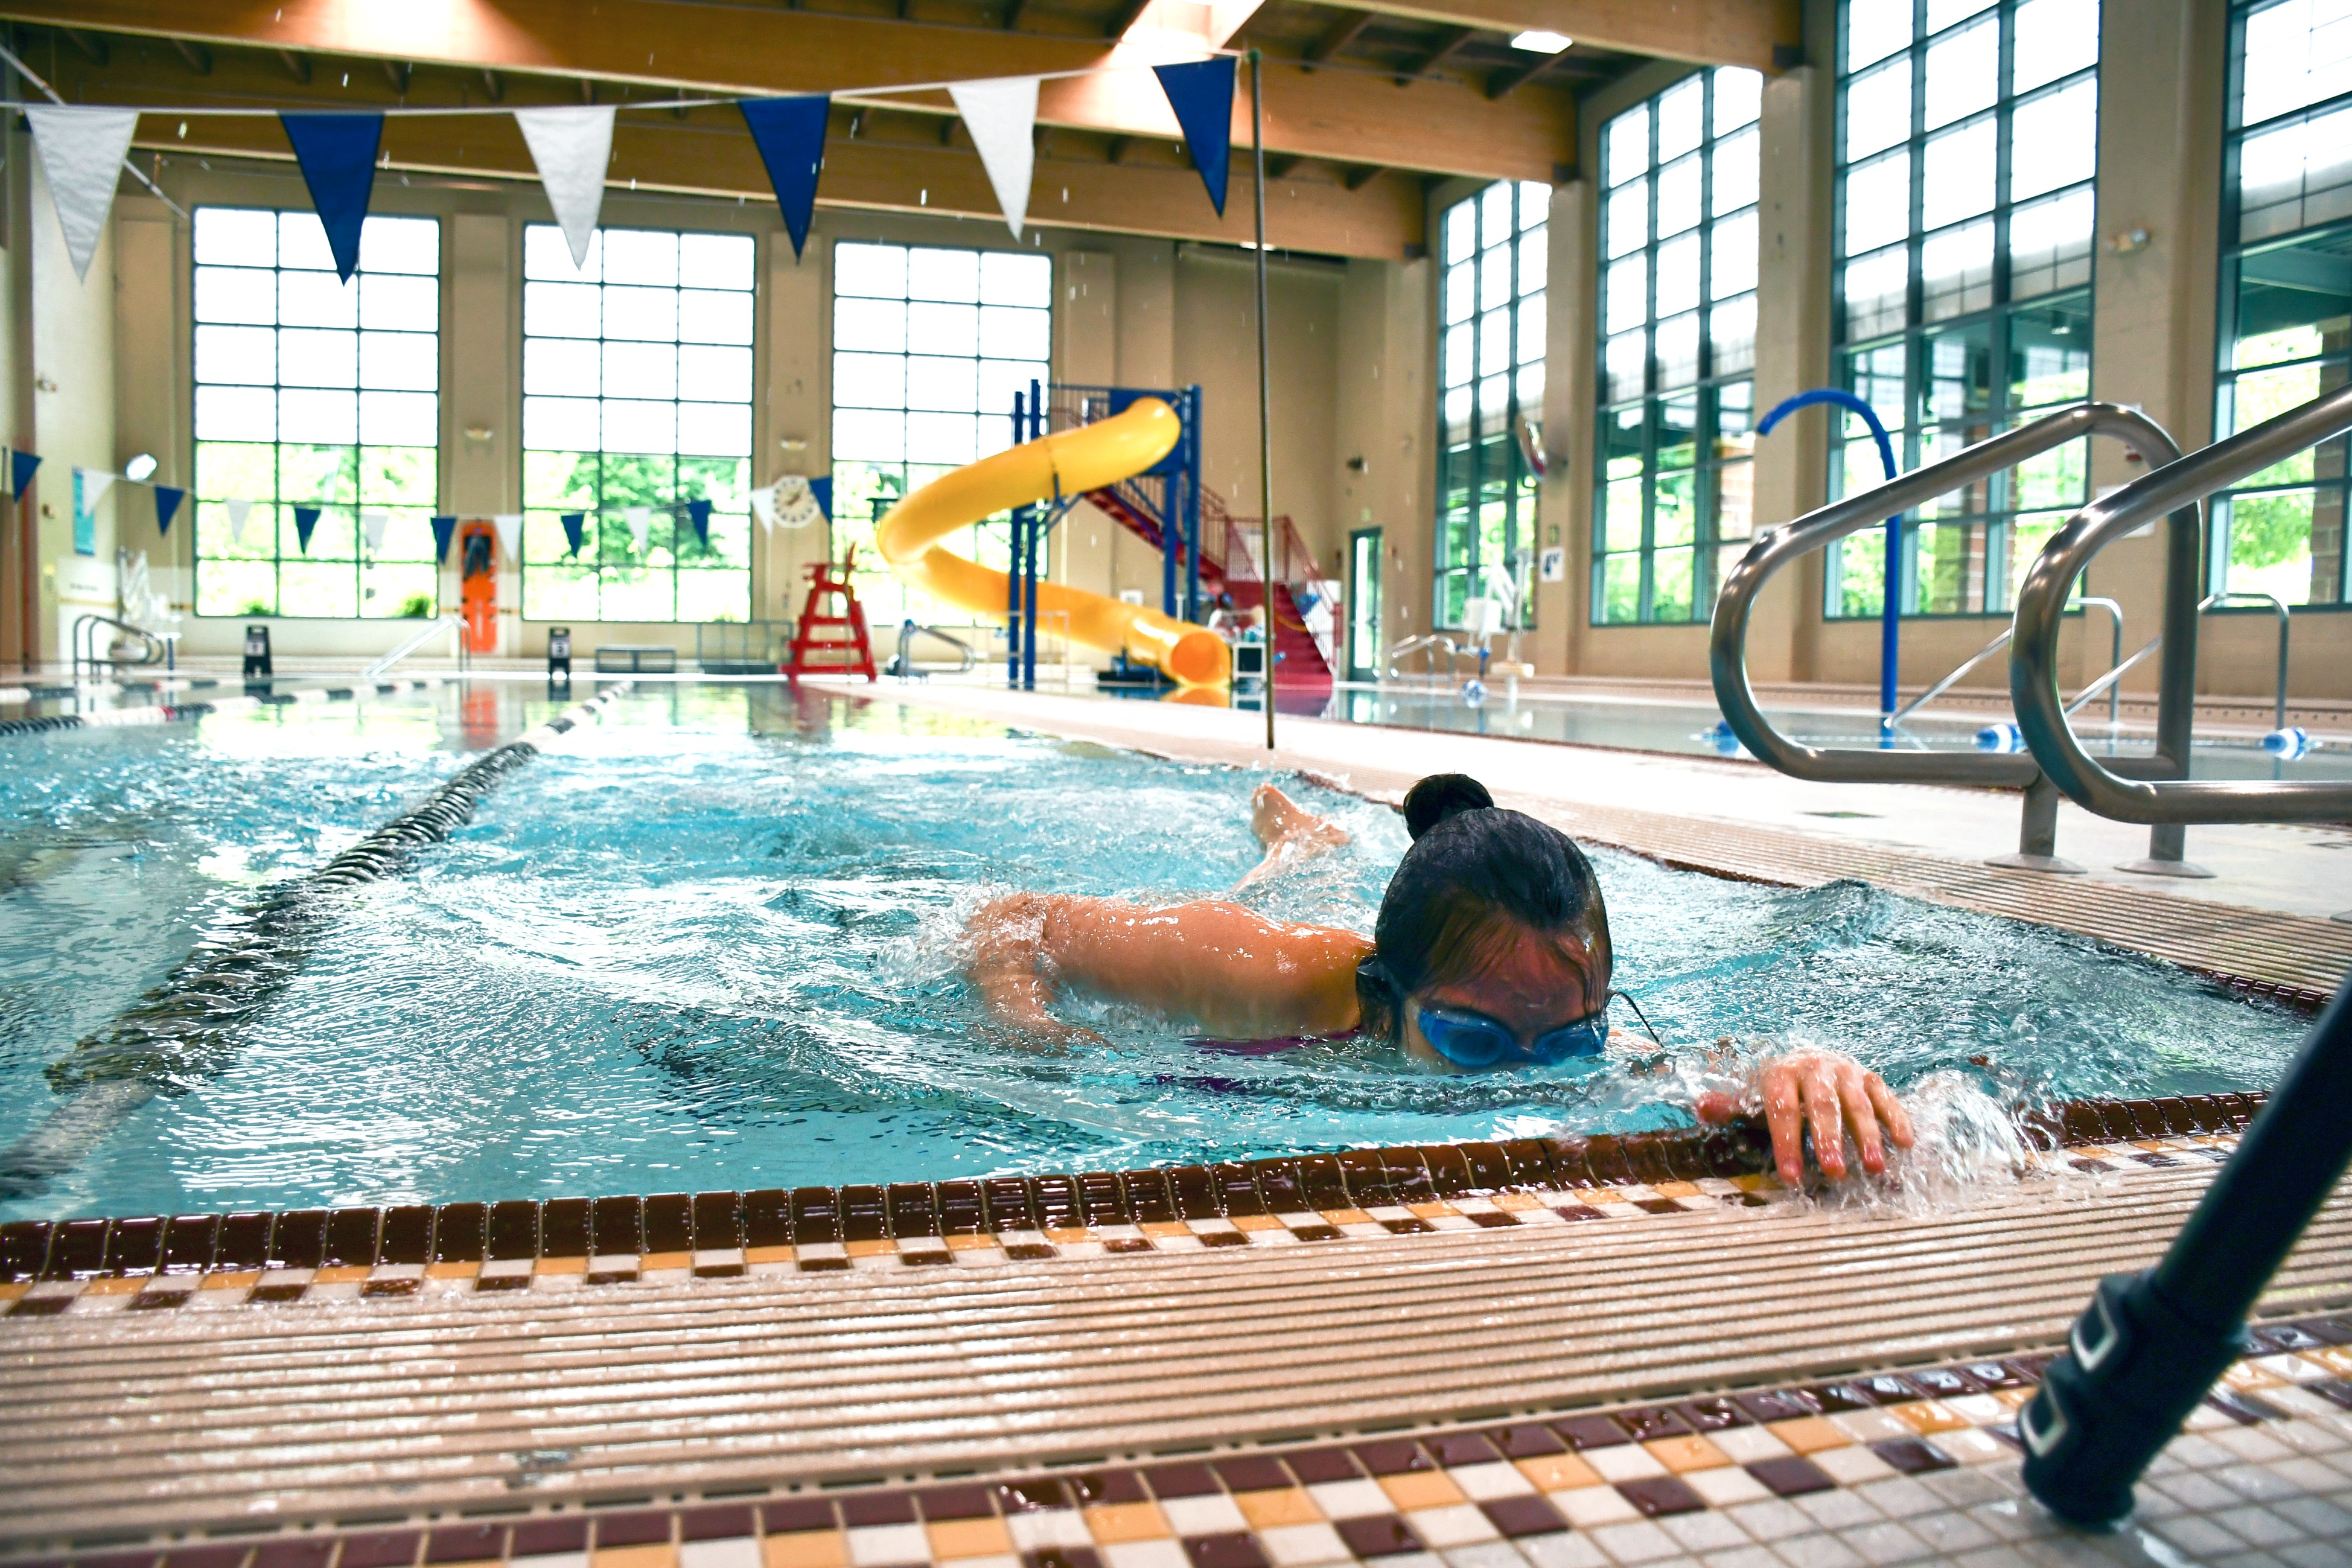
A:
[(1890, 632)]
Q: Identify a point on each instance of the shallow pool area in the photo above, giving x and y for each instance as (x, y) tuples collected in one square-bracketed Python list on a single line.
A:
[(712, 942)]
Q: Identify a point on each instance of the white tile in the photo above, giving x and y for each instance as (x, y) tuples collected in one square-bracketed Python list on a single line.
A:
[(1974, 1448), (1484, 1482), (1047, 1527), (1563, 1549), (2251, 1443), (1743, 1557), (1726, 1485), (1350, 1499), (1773, 1520), (739, 1552), (1871, 1425), (1484, 1555), (1625, 1462), (552, 1560), (1852, 1465), (1747, 1445), (1704, 1531), (1899, 1497), (1817, 1552), (2259, 1525), (1950, 1532), (885, 1544), (1138, 1555), (1640, 1542), (1585, 1507), (1884, 1544), (1301, 1545), (1214, 1514), (1458, 1525), (1835, 1509)]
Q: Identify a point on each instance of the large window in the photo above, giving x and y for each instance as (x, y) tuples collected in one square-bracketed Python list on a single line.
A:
[(928, 347), (1677, 347), (314, 395), (1490, 362), (637, 380), (2287, 290), (1967, 148)]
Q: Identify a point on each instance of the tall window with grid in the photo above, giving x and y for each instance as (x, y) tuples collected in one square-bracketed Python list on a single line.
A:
[(636, 382), (1490, 374), (1967, 152), (2286, 291), (314, 392), (928, 347), (1677, 347)]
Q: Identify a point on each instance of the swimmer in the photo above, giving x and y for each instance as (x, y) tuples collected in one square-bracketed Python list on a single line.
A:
[(1491, 950)]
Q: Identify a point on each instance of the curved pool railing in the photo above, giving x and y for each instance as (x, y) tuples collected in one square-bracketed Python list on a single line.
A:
[(2177, 487), (1778, 547)]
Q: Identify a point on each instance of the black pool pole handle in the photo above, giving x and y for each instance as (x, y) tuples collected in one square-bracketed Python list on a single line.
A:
[(2151, 1345)]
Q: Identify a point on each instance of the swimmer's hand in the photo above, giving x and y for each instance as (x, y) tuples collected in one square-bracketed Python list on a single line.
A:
[(1830, 1093)]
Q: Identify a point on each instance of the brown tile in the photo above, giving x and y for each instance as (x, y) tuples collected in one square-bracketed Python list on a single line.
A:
[(1181, 1481), (1112, 1524), (718, 1222), (379, 1548), (1711, 1414), (668, 1219), (1659, 1495), (1584, 1432), (1453, 1448), (955, 1503), (1194, 1190), (466, 1544), (1009, 1203), (299, 1240), (815, 1219), (1530, 1160), (1366, 1177), (1271, 1507), (228, 1555), (1237, 1189), (1238, 1548), (24, 1247), (641, 1527), (1421, 1488), (1557, 1472), (1835, 1397), (805, 1549), (1315, 1466), (513, 1230), (1525, 1440), (1322, 1184), (865, 1213), (1654, 1421), (877, 1507), (1449, 1170), (1279, 1184), (78, 1250), (1912, 1455), (1252, 1472), (1102, 1200), (407, 1235), (1408, 1175), (134, 1247), (1058, 1205), (1149, 1198), (1377, 1535), (1791, 1477), (616, 1227), (914, 1211), (1108, 1486), (1889, 1388), (460, 1233), (1391, 1457), (188, 1243), (954, 1537), (545, 1537), (563, 1228), (1061, 1557), (962, 1211), (1489, 1170), (1029, 1494), (721, 1523), (1518, 1516), (794, 1516), (1779, 1405), (294, 1551)]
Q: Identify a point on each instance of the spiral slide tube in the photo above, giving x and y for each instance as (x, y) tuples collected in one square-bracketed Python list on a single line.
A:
[(1068, 463)]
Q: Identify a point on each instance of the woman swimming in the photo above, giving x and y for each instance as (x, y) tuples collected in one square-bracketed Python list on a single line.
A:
[(1491, 950)]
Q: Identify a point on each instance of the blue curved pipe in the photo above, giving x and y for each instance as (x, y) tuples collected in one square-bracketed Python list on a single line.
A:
[(1890, 621)]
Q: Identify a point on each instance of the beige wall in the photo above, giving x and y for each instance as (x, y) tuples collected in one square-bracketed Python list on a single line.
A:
[(74, 415)]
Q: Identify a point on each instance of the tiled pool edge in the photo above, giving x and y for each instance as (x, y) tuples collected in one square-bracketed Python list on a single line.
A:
[(182, 712), (159, 1262)]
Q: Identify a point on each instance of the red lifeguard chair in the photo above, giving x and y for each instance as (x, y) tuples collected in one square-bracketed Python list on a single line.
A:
[(828, 581)]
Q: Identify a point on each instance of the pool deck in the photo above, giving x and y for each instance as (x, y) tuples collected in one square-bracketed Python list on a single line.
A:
[(2264, 918)]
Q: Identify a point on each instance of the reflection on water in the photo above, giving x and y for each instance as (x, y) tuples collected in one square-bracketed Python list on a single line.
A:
[(714, 942)]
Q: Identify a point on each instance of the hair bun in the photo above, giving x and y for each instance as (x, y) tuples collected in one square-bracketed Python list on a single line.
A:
[(1440, 796)]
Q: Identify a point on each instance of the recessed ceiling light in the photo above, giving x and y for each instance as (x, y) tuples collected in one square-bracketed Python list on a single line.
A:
[(1542, 41)]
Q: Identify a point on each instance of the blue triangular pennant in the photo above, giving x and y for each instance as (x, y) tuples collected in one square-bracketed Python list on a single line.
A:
[(790, 134), (305, 518), (1202, 94), (167, 507), (575, 525), (20, 471), (444, 529), (822, 490), (337, 153), (698, 512)]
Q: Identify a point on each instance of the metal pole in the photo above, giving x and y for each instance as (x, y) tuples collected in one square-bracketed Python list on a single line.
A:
[(1264, 383), (1029, 556), (1013, 563)]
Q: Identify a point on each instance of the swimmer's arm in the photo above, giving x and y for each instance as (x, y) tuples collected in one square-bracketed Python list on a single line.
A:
[(1218, 965)]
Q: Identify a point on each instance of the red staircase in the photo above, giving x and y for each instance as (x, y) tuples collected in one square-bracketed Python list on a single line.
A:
[(1300, 666)]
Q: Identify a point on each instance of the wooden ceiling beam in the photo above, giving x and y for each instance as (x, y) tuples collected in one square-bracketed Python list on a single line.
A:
[(1704, 32), (1437, 56), (1345, 31), (1446, 127)]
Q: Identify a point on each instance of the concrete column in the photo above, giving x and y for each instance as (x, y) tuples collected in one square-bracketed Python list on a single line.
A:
[(152, 395), (1571, 326), (1085, 351), (73, 409), (792, 430), (481, 410)]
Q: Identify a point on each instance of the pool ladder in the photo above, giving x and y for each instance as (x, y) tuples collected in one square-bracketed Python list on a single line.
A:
[(2155, 790)]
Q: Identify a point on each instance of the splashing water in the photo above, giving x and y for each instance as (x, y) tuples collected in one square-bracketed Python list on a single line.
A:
[(717, 942)]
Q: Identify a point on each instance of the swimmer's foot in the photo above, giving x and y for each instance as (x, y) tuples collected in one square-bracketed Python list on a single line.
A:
[(1290, 833)]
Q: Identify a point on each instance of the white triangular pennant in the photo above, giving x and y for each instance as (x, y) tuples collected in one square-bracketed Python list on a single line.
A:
[(239, 512), (81, 154), (763, 504), (1001, 115), (573, 147), (509, 527), (94, 483), (641, 526), (373, 524)]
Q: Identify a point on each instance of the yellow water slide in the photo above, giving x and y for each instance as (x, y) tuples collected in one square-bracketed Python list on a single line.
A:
[(1068, 463)]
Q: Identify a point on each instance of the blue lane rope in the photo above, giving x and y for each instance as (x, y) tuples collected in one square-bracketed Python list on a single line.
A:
[(1890, 617)]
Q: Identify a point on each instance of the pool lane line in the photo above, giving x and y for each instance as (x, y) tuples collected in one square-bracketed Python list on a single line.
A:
[(183, 1028), (174, 713)]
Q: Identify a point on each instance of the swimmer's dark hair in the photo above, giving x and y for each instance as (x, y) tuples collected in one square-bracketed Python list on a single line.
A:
[(1475, 872)]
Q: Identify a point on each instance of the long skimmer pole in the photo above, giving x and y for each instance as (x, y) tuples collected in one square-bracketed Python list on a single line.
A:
[(1265, 390)]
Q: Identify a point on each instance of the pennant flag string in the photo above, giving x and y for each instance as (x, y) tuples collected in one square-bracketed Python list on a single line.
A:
[(239, 512), (167, 506), (20, 472), (1001, 115), (789, 135), (444, 529), (305, 518), (128, 166), (1202, 94), (574, 526), (572, 146), (337, 155), (698, 514), (81, 151)]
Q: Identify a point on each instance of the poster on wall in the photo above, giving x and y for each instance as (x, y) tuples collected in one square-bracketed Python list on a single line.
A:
[(1552, 565), (89, 485)]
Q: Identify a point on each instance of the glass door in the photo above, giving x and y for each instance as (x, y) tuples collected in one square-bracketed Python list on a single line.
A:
[(1364, 604)]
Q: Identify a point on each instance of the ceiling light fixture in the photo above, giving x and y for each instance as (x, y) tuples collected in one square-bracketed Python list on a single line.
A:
[(1542, 41)]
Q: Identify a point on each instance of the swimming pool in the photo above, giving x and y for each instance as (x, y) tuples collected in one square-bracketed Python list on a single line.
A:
[(712, 942)]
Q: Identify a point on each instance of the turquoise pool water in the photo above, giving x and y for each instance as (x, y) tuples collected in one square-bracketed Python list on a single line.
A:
[(713, 941)]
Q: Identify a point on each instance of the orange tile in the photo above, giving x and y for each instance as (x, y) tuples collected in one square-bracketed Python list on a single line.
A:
[(2336, 1358), (460, 1270), (1421, 1488), (128, 1286), (968, 1537), (342, 1274), (1256, 1222), (242, 1279), (1763, 1184), (870, 1249), (1811, 1434), (2246, 1377), (560, 1266), (653, 1260), (11, 1292), (660, 1555), (1432, 1211), (1068, 1234), (806, 1549), (1165, 1228), (1681, 1454), (1114, 1523), (771, 1254), (1290, 1505), (1674, 1189), (1925, 1415), (2014, 1398), (1558, 1472), (1514, 1201), (1347, 1217), (970, 1243)]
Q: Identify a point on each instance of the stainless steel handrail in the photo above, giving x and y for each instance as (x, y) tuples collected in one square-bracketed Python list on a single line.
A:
[(85, 644), (903, 666), (2285, 624), (1776, 548), (2176, 487), (2115, 666), (1952, 679), (1429, 642), (418, 638)]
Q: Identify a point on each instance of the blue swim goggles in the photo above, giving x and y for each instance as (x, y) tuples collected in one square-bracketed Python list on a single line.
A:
[(1470, 1040)]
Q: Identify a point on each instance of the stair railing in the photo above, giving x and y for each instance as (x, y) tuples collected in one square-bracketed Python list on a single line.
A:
[(1776, 548), (2175, 489)]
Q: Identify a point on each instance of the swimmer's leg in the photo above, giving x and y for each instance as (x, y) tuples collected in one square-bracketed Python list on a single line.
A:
[(1290, 833)]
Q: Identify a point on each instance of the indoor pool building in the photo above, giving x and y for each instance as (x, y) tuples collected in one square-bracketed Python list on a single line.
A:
[(1123, 783)]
